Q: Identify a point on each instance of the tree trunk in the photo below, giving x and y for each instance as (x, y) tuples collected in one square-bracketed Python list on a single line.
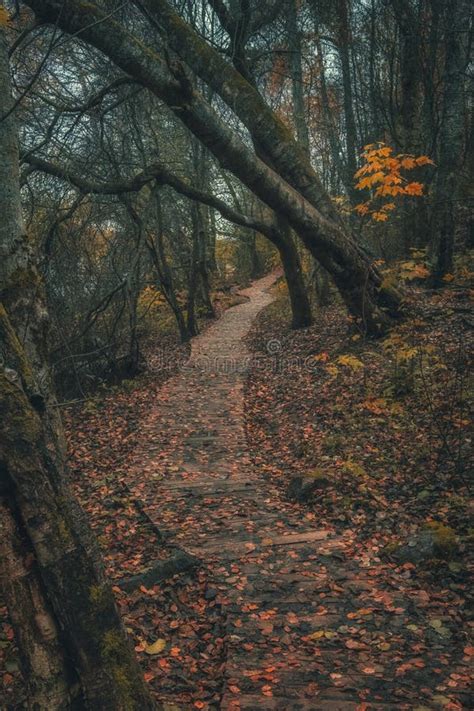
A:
[(65, 570), (330, 129), (193, 276), (408, 127), (165, 278), (300, 306), (451, 139), (200, 221), (296, 70), (199, 254), (51, 682), (254, 257), (343, 42)]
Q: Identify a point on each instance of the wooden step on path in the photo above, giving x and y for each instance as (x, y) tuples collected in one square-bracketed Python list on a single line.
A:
[(271, 569)]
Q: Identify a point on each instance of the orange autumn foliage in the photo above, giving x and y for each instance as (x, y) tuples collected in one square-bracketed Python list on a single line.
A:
[(382, 173)]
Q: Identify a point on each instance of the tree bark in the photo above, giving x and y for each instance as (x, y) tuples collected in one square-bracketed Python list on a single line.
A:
[(409, 123), (296, 70), (157, 251), (343, 43), (200, 220), (51, 683), (193, 278), (451, 140), (300, 305), (65, 570)]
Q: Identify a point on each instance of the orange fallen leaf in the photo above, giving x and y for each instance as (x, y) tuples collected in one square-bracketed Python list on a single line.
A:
[(354, 644)]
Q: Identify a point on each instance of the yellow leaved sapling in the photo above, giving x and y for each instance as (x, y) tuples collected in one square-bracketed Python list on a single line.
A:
[(384, 174)]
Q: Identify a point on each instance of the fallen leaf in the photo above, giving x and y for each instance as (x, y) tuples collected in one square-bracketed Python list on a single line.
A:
[(155, 648)]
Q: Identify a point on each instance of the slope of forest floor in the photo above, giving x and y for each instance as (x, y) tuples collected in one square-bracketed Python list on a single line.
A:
[(376, 436)]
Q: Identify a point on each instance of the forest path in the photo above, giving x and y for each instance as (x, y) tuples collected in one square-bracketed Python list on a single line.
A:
[(268, 558)]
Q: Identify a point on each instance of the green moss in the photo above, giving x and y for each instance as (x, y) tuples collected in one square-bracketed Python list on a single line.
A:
[(470, 534), (15, 349), (122, 681), (333, 444), (24, 278), (355, 469), (99, 595), (24, 426), (64, 531), (390, 548), (444, 539), (115, 653), (318, 474), (113, 643)]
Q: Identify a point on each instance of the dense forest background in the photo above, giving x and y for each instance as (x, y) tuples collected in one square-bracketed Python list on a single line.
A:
[(123, 202)]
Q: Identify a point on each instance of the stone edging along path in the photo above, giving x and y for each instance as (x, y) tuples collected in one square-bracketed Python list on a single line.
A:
[(275, 571)]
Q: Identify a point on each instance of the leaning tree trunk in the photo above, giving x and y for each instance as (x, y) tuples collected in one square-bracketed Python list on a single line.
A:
[(72, 641), (371, 301)]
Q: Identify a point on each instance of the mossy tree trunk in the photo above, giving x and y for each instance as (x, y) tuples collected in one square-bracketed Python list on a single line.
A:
[(51, 681), (72, 642)]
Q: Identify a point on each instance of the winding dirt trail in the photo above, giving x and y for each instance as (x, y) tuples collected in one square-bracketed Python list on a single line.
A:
[(275, 570)]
